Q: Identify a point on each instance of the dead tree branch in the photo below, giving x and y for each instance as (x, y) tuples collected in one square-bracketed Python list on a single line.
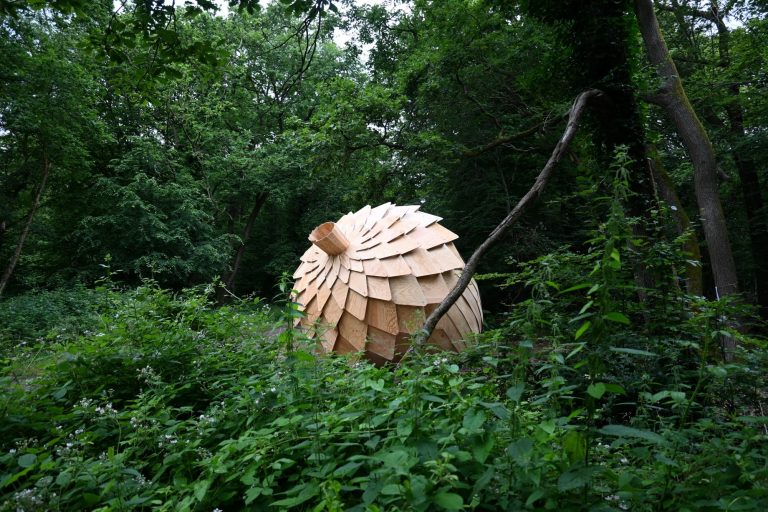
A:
[(522, 206)]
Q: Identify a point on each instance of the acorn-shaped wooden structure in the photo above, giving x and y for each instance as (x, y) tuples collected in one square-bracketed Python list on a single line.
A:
[(370, 279)]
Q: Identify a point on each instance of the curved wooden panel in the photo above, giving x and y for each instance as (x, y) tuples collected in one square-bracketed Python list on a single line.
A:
[(391, 266)]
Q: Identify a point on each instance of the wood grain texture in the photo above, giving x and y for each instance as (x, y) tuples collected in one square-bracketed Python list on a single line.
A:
[(332, 313), (353, 330), (356, 304), (378, 288), (382, 315), (381, 343)]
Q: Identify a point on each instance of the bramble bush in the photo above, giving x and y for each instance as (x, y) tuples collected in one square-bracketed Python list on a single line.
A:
[(29, 319), (173, 404)]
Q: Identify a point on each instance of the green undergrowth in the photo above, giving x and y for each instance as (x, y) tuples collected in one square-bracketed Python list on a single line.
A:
[(169, 403), (33, 317)]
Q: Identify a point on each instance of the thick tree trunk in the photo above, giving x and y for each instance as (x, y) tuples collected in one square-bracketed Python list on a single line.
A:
[(750, 184), (27, 224), (673, 98), (528, 200), (230, 278), (694, 282)]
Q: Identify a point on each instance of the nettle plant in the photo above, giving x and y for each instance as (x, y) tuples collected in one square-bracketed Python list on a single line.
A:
[(636, 374)]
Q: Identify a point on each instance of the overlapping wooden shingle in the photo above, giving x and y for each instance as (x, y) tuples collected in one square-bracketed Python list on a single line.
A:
[(370, 279)]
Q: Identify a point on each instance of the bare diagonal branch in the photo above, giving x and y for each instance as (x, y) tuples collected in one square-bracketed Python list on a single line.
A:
[(530, 198)]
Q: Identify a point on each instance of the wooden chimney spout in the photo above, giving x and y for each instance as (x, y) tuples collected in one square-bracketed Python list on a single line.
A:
[(329, 238)]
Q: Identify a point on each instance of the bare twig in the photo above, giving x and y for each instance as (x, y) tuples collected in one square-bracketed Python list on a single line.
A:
[(522, 206), (505, 139)]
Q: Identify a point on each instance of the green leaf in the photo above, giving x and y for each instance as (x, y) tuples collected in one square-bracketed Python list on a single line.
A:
[(624, 431), (63, 478), (27, 460), (515, 392), (404, 427), (675, 396), (575, 445), (577, 287), (252, 493), (376, 385), (473, 420), (615, 316), (615, 388), (632, 351), (481, 447), (535, 496), (305, 492), (582, 329), (521, 450), (201, 488), (547, 426), (91, 499), (59, 393), (497, 409), (392, 490), (8, 480), (576, 478), (596, 390), (449, 500), (399, 460), (346, 469), (482, 482), (575, 351), (290, 502)]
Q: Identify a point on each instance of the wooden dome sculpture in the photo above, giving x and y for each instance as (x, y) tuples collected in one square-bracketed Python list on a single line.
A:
[(369, 280)]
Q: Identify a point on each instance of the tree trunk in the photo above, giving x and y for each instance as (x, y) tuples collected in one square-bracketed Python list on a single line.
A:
[(694, 282), (229, 279), (27, 224), (528, 200), (3, 229), (673, 98)]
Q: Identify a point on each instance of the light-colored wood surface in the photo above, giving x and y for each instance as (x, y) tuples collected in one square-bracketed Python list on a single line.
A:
[(383, 316), (356, 304), (378, 288), (391, 266), (406, 291)]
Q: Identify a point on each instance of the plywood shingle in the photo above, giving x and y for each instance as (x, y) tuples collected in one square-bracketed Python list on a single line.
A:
[(369, 281)]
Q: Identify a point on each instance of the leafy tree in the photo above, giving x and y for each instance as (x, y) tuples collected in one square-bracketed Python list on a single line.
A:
[(712, 64), (50, 127)]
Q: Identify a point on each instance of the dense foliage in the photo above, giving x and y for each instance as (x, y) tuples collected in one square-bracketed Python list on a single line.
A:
[(186, 155), (183, 146), (169, 403)]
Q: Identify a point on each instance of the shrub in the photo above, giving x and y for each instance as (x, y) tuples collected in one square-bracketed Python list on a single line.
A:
[(28, 319), (176, 405)]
